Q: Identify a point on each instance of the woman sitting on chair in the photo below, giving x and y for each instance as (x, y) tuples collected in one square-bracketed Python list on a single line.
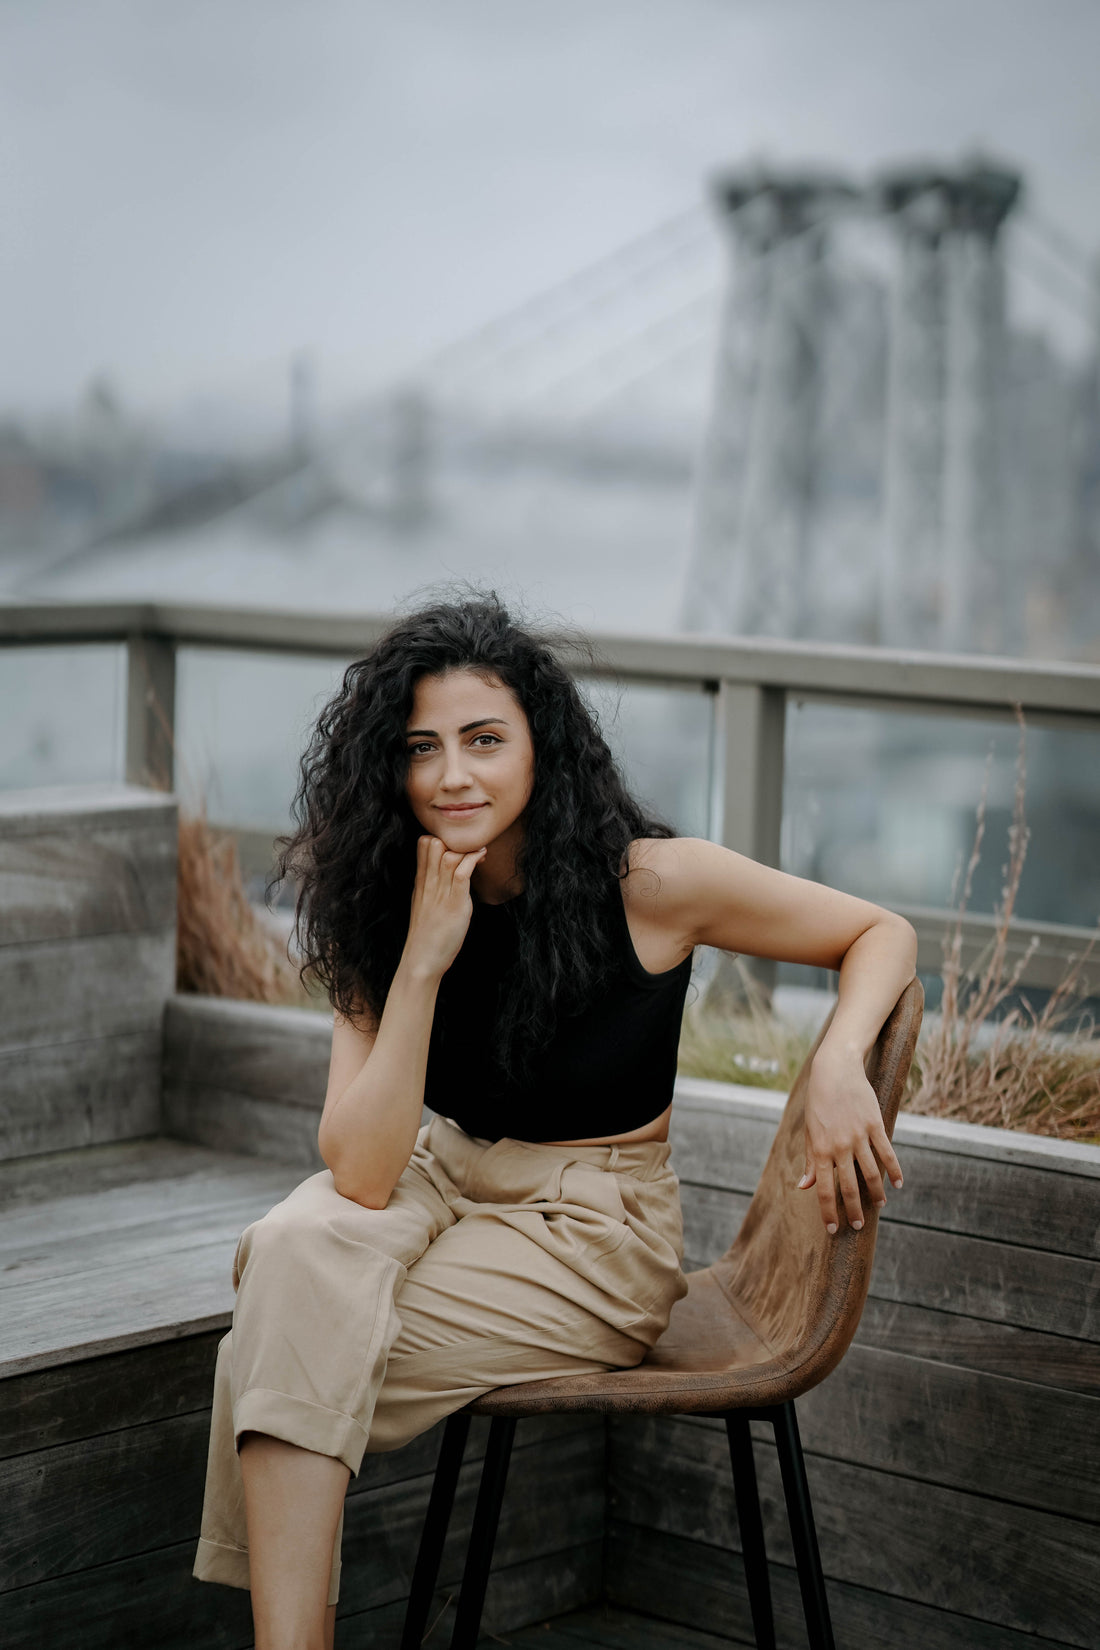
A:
[(506, 936)]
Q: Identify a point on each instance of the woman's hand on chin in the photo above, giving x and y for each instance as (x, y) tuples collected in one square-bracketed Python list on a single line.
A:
[(441, 905)]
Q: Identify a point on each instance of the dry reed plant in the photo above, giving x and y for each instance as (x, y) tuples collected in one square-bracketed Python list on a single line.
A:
[(224, 946), (743, 1042), (1018, 1071)]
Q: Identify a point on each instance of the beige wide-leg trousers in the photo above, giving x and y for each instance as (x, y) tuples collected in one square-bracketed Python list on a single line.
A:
[(357, 1329)]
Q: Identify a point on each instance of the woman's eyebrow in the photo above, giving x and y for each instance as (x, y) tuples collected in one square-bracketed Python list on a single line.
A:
[(430, 733)]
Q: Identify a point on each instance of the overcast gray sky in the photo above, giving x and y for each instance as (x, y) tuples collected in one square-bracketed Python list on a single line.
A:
[(191, 190)]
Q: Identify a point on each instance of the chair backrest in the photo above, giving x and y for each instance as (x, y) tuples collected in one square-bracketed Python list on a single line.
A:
[(801, 1290)]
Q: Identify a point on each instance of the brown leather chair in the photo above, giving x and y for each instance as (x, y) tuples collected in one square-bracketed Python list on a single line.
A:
[(756, 1329)]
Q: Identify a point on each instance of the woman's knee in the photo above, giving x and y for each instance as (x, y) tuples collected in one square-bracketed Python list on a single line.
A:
[(317, 1229)]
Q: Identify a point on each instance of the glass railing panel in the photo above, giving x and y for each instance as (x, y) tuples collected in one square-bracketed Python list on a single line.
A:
[(62, 715), (242, 723), (662, 739), (883, 804)]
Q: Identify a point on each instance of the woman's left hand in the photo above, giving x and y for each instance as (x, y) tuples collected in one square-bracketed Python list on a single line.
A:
[(844, 1128)]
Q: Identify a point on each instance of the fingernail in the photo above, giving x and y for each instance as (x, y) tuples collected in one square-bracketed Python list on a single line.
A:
[(857, 1226), (881, 1204), (804, 1179), (831, 1228), (897, 1184)]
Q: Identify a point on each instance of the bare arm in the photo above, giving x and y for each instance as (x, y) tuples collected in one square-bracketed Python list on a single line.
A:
[(376, 1075), (708, 895)]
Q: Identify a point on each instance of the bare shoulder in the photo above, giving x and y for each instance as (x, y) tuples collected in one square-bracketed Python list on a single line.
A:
[(676, 873), (665, 882), (662, 867)]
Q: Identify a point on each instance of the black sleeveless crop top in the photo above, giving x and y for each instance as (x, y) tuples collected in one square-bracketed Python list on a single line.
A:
[(607, 1070)]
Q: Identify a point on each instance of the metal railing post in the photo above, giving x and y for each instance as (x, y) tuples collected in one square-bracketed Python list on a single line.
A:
[(750, 727), (150, 710)]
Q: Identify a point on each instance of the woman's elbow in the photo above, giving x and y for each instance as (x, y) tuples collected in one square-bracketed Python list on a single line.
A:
[(349, 1179), (909, 940)]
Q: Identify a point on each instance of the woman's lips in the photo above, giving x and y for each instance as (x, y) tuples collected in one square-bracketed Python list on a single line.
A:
[(459, 810)]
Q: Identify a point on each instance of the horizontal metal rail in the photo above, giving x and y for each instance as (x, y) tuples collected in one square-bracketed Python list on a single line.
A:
[(837, 671), (751, 681)]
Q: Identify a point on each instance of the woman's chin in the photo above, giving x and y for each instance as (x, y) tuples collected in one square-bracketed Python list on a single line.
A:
[(464, 837)]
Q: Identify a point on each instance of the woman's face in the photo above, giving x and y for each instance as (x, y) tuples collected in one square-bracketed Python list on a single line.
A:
[(471, 760)]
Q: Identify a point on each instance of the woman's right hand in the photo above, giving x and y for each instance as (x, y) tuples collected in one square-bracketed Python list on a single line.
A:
[(441, 905)]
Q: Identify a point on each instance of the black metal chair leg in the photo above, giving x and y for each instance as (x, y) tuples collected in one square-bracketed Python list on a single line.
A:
[(800, 1513), (434, 1534), (479, 1554), (751, 1527)]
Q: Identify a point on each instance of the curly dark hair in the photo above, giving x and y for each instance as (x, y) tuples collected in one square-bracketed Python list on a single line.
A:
[(353, 853)]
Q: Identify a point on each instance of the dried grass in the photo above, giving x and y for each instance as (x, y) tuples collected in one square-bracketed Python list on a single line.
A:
[(745, 1043), (225, 947), (1016, 1069)]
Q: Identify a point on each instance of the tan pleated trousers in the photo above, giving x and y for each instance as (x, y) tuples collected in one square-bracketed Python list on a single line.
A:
[(357, 1329)]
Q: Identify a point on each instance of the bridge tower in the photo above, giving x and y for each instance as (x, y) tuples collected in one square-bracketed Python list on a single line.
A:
[(750, 556), (981, 595), (909, 597)]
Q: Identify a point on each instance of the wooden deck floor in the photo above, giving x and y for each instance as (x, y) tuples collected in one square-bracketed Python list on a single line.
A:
[(603, 1628)]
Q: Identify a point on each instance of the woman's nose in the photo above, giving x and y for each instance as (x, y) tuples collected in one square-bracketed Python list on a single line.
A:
[(455, 769)]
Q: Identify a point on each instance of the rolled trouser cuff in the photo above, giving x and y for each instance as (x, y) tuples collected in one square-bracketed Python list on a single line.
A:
[(297, 1421)]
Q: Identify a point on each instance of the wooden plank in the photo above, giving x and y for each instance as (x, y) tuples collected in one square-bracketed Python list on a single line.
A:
[(1032, 1288), (130, 1389), (554, 1501), (112, 1253), (101, 1498), (118, 1604), (145, 1202), (101, 986), (55, 1407), (725, 1147), (64, 883), (704, 1587), (1021, 1568), (64, 1320), (241, 1123), (973, 1343), (603, 1625), (85, 1295), (93, 807), (418, 1457), (130, 1164), (1003, 1283), (1037, 1151), (105, 1498), (59, 1096), (986, 1434), (150, 1599), (272, 1053), (531, 1591), (711, 1222)]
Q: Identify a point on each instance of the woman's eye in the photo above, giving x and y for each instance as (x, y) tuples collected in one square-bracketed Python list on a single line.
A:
[(491, 737)]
